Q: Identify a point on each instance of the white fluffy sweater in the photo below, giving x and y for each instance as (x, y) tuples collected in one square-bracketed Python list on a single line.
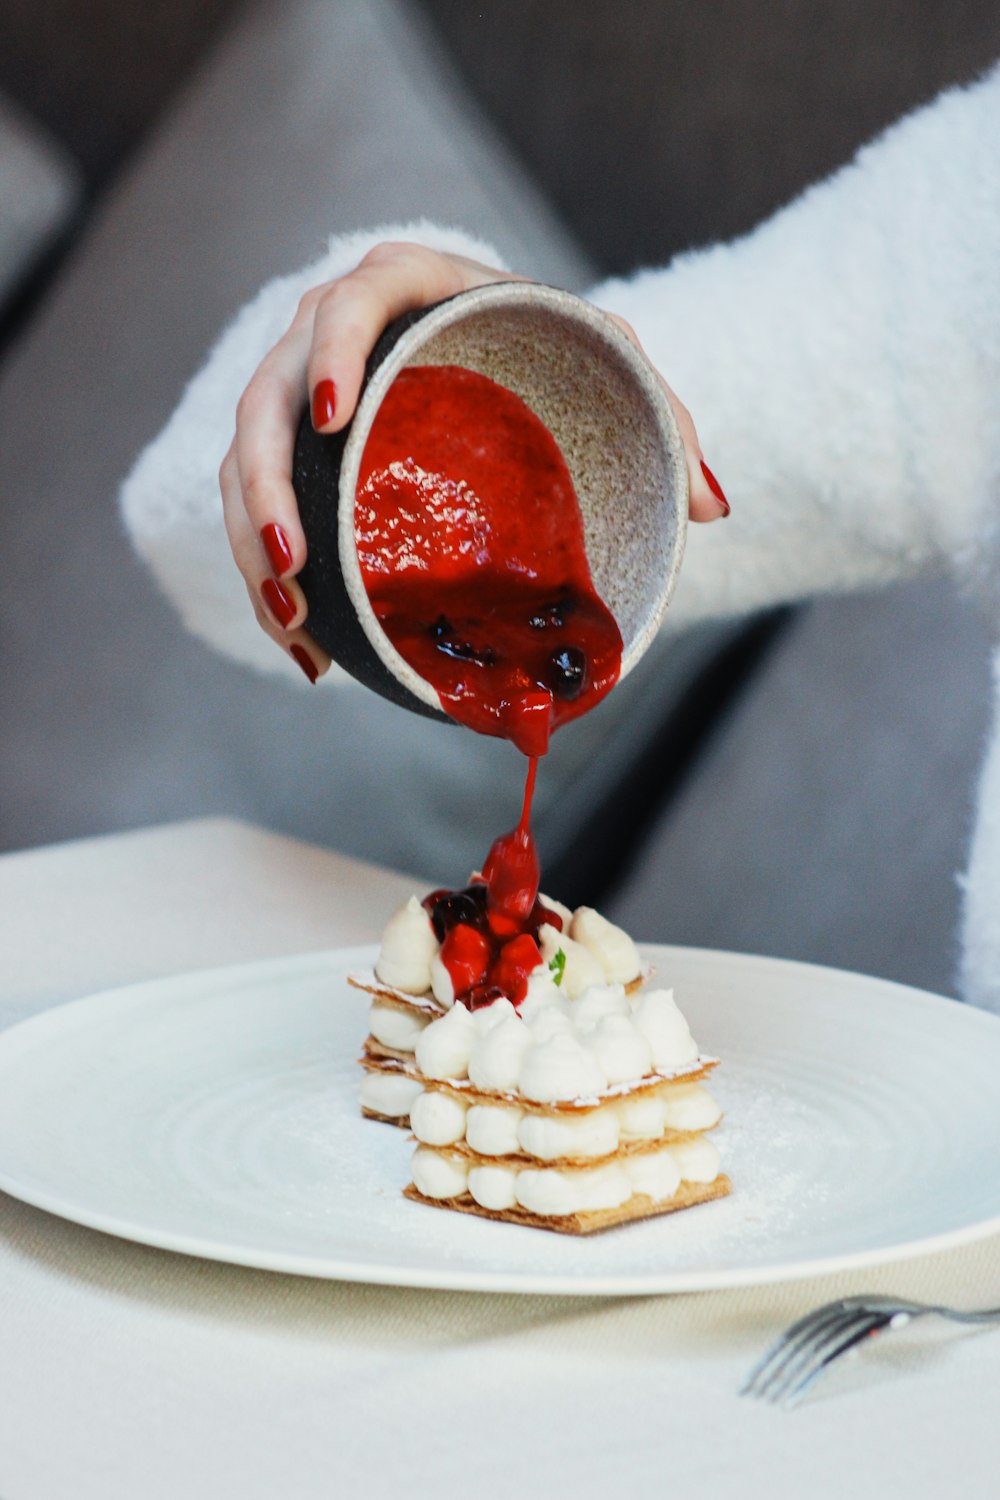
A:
[(842, 363)]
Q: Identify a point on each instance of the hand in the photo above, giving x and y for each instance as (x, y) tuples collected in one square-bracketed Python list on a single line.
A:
[(324, 352)]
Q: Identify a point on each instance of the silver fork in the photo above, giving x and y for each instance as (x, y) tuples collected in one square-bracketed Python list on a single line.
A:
[(799, 1357)]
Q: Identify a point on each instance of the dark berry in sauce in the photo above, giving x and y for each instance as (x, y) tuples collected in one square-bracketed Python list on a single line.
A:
[(569, 672), (449, 908), (551, 616), (483, 656)]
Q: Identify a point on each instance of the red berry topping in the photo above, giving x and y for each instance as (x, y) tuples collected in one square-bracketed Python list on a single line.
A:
[(502, 927), (513, 965), (465, 953)]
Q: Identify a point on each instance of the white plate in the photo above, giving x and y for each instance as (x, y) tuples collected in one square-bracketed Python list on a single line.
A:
[(217, 1114)]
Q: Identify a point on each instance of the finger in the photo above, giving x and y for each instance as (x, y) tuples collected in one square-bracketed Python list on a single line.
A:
[(281, 602), (242, 542), (392, 279), (310, 658), (267, 420), (706, 500)]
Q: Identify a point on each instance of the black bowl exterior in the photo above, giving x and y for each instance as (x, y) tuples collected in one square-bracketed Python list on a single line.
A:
[(332, 620)]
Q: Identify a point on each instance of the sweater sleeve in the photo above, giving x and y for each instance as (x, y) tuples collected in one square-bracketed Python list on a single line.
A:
[(170, 501), (842, 365)]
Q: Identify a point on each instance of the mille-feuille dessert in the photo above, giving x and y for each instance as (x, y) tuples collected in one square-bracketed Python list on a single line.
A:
[(574, 1102)]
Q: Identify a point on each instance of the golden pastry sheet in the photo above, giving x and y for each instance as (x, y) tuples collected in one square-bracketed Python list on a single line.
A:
[(372, 1114), (590, 1221), (379, 1059)]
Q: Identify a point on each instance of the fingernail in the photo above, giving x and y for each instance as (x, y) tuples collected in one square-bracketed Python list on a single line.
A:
[(278, 601), (324, 403), (715, 487), (279, 554), (305, 661)]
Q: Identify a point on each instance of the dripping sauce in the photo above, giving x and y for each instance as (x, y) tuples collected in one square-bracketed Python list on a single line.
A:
[(471, 547)]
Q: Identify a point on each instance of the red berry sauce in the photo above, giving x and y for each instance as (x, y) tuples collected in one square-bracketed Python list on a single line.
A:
[(471, 547), (489, 930)]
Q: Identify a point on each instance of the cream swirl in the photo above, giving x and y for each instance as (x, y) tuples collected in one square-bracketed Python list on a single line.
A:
[(548, 1191), (389, 1094), (621, 1049), (408, 949), (550, 1137), (665, 1029), (560, 1068), (438, 1176), (437, 1119), (610, 945), (444, 1048), (497, 1057), (491, 1129), (394, 1027), (582, 968)]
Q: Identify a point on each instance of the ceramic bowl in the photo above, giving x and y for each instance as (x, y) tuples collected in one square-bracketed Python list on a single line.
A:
[(606, 410)]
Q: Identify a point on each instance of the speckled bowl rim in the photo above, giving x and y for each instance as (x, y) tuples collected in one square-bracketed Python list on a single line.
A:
[(515, 295)]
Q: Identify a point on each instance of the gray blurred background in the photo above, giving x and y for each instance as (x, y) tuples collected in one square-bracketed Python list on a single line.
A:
[(802, 785)]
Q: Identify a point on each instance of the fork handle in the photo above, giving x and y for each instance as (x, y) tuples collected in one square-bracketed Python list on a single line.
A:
[(954, 1315), (895, 1306)]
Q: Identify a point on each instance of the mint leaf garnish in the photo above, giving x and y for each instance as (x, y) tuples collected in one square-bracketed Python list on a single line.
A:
[(558, 966)]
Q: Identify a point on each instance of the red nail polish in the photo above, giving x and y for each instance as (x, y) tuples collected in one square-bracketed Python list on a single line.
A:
[(279, 554), (324, 403), (715, 487), (279, 602), (305, 661)]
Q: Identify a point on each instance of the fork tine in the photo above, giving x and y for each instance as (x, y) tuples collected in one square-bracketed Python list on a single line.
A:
[(810, 1352), (774, 1358), (862, 1328)]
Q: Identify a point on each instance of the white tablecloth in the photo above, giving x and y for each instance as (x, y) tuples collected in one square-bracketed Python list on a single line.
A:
[(131, 1372)]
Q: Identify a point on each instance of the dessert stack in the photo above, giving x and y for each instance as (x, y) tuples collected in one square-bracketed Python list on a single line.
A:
[(579, 1107)]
